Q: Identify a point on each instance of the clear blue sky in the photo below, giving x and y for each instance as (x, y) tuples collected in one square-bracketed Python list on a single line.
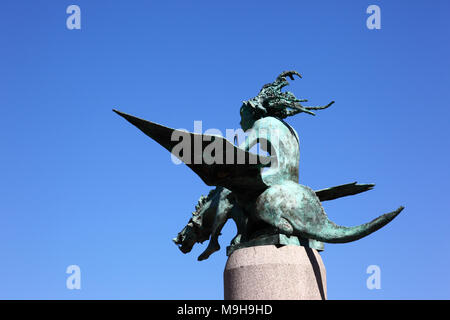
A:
[(79, 185)]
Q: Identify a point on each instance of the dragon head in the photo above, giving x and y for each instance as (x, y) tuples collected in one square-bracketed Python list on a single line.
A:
[(198, 228)]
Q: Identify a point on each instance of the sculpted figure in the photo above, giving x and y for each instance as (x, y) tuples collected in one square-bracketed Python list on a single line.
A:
[(263, 197)]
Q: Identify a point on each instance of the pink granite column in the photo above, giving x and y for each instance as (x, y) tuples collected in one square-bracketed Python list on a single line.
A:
[(270, 273)]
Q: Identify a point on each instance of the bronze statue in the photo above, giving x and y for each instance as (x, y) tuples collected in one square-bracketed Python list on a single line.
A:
[(260, 193)]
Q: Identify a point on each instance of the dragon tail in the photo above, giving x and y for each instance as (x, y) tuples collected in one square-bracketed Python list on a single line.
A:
[(332, 233)]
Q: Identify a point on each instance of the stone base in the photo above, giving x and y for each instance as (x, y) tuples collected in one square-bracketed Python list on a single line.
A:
[(277, 239), (275, 273)]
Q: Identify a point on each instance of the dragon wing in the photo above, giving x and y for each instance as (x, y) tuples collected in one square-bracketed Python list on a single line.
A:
[(343, 190), (236, 170)]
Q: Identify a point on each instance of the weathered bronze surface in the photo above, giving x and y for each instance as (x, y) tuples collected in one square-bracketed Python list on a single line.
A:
[(262, 195)]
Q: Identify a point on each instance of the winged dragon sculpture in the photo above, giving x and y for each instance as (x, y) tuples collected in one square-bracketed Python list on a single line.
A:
[(260, 193)]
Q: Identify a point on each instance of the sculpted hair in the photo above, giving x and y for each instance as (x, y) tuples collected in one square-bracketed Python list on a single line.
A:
[(272, 102)]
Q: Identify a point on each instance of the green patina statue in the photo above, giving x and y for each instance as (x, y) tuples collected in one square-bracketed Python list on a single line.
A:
[(260, 193)]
